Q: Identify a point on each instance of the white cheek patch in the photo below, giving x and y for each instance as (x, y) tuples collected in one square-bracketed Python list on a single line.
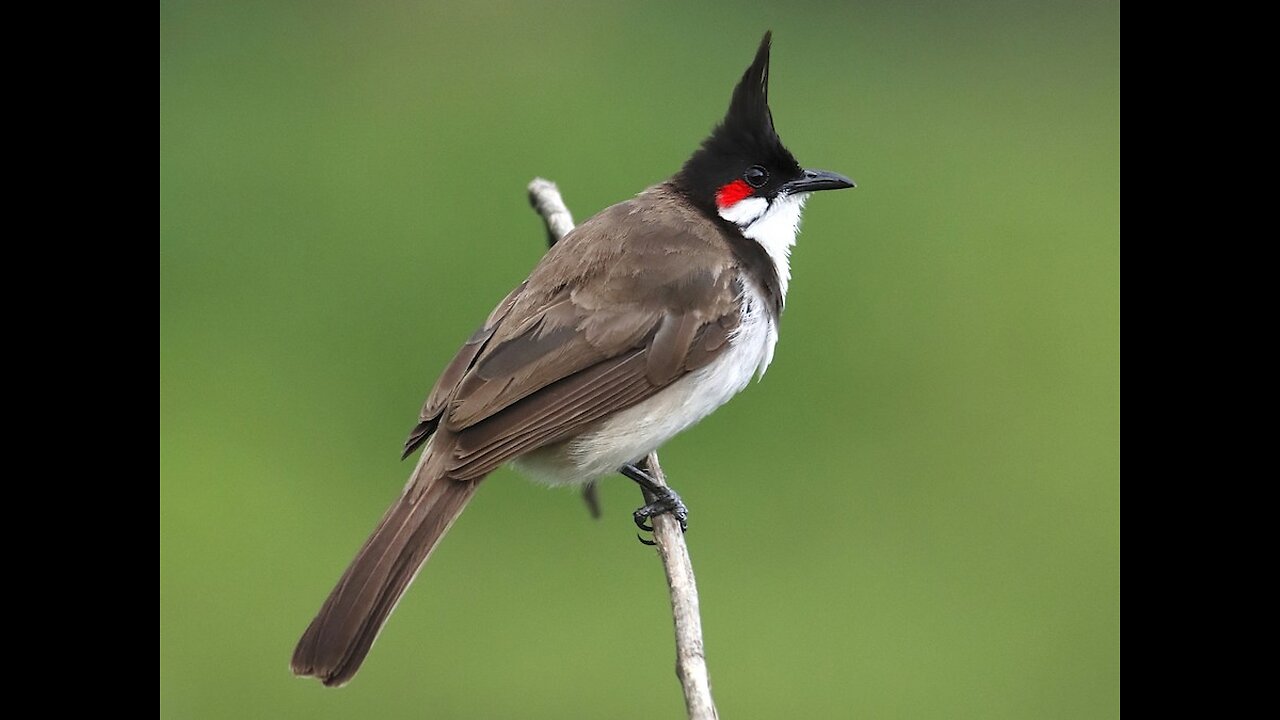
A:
[(745, 211), (774, 226)]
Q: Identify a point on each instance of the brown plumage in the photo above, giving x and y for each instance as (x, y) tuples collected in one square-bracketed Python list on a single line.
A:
[(586, 335), (339, 638), (635, 326)]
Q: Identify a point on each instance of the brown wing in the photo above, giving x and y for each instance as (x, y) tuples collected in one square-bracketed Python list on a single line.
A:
[(623, 306), (429, 416)]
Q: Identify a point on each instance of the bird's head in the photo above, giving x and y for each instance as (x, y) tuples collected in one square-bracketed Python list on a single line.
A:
[(743, 173)]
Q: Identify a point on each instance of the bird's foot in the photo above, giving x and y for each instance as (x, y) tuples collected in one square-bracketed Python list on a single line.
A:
[(668, 502), (665, 501)]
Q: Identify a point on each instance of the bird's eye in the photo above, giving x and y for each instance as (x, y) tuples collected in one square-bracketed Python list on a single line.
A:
[(756, 176)]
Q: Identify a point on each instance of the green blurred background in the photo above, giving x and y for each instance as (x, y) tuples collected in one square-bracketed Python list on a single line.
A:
[(916, 514)]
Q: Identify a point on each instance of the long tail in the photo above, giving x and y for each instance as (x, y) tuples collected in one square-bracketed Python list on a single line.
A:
[(336, 642)]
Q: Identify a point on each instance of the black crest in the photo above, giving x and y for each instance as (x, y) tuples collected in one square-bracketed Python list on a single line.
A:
[(749, 112), (745, 137)]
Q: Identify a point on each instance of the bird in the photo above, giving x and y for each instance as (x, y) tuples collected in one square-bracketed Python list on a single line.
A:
[(636, 325)]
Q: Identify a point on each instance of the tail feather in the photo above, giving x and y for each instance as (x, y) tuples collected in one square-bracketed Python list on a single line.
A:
[(339, 638)]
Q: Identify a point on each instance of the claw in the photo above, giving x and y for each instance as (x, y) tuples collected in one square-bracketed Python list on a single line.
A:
[(650, 543), (665, 500)]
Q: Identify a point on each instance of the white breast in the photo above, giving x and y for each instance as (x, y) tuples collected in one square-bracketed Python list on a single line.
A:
[(635, 432)]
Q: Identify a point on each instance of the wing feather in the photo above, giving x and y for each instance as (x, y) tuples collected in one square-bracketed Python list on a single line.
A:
[(623, 306)]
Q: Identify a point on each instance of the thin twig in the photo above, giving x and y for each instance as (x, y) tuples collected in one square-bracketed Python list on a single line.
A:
[(545, 198), (691, 661), (691, 658)]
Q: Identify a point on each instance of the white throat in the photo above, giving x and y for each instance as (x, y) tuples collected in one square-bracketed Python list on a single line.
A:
[(773, 225)]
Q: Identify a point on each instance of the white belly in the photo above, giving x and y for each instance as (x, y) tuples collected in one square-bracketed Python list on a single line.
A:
[(631, 434)]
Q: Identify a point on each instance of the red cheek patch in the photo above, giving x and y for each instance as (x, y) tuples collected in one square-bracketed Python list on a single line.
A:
[(730, 194)]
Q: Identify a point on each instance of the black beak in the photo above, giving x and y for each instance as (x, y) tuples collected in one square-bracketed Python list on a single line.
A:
[(813, 180)]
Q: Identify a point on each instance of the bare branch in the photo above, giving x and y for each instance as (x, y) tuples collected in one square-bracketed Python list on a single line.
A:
[(691, 658), (691, 661), (545, 198)]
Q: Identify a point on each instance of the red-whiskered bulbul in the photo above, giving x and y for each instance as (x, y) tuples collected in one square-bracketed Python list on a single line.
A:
[(635, 326)]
